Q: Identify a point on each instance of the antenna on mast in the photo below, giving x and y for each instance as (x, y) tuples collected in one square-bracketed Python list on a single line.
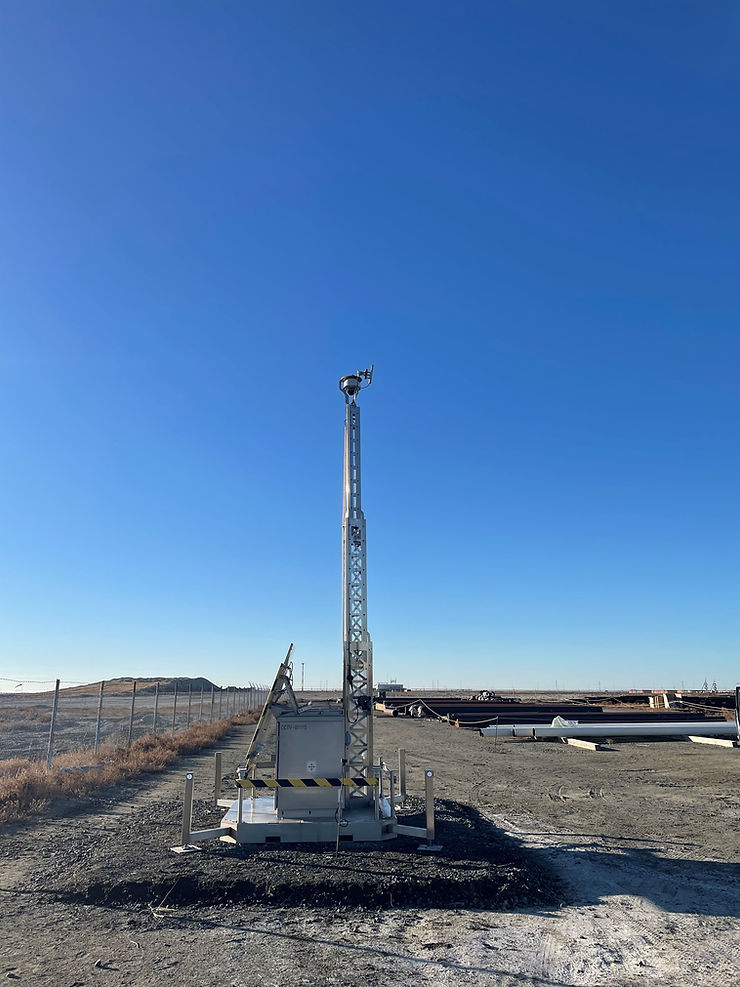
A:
[(353, 383)]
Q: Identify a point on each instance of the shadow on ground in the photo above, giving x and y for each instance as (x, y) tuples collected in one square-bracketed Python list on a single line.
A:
[(593, 873)]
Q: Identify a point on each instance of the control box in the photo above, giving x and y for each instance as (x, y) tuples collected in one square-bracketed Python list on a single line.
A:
[(310, 744)]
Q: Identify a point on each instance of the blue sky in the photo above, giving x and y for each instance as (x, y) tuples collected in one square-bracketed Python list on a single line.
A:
[(526, 215)]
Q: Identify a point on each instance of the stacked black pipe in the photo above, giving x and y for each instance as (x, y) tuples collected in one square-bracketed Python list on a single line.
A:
[(469, 712)]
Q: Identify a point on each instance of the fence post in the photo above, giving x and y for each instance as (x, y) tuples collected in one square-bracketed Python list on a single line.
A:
[(220, 702), (156, 707), (200, 715), (131, 717), (50, 752), (190, 703), (213, 699), (174, 710), (97, 722)]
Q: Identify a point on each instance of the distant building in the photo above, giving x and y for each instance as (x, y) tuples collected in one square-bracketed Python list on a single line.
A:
[(390, 687)]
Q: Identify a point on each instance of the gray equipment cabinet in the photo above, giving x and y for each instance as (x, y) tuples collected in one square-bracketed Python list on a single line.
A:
[(310, 744)]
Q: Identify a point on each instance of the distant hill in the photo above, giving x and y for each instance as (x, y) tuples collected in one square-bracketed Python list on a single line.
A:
[(122, 686)]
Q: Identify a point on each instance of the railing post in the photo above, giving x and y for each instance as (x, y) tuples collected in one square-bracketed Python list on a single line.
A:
[(429, 800), (187, 809), (156, 707), (174, 710), (52, 727), (217, 777), (97, 722), (131, 716), (402, 772)]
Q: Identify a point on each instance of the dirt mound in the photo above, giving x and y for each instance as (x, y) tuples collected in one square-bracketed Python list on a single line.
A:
[(122, 686), (477, 868)]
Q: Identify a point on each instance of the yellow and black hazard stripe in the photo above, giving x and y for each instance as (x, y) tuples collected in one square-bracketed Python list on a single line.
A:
[(307, 782)]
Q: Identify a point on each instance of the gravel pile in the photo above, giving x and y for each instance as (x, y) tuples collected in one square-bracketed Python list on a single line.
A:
[(129, 864)]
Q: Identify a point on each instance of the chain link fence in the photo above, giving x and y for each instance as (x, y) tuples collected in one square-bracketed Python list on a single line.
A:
[(37, 725)]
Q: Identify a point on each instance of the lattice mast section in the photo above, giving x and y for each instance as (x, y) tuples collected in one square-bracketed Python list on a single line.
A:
[(357, 646)]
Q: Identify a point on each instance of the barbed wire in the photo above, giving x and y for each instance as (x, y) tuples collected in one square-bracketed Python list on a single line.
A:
[(40, 681)]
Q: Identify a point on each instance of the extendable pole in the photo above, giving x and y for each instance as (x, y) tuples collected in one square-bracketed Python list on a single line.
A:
[(357, 696)]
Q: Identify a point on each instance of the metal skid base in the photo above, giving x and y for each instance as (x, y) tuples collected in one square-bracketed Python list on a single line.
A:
[(256, 820), (260, 824)]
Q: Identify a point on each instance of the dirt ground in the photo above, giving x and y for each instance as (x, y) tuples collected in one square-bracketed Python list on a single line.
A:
[(641, 842)]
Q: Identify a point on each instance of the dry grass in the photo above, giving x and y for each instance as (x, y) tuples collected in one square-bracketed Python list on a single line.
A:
[(26, 787), (24, 719)]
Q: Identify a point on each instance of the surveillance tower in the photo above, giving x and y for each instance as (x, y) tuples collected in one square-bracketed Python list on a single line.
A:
[(358, 649)]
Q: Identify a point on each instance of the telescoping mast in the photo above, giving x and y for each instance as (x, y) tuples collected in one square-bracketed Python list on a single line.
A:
[(357, 691), (326, 786)]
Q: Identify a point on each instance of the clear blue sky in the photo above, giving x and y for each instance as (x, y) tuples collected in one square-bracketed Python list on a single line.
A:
[(527, 215)]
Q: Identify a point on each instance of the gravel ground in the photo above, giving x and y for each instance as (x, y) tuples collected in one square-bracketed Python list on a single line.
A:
[(477, 867), (617, 868)]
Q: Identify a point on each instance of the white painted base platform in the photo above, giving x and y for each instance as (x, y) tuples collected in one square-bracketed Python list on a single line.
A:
[(260, 824)]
